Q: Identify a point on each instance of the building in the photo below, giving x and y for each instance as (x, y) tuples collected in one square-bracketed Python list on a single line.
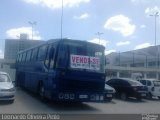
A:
[(147, 57), (13, 46), (145, 61)]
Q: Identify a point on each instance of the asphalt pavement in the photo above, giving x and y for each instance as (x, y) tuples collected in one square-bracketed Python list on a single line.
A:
[(26, 102)]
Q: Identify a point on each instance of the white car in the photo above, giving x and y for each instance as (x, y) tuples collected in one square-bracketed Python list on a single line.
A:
[(153, 86), (7, 89)]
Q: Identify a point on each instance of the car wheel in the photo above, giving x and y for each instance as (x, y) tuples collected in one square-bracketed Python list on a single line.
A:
[(109, 99), (149, 96), (11, 101), (123, 96), (139, 98), (42, 92)]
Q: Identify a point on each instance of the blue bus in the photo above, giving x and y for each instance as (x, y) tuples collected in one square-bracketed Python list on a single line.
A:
[(64, 70)]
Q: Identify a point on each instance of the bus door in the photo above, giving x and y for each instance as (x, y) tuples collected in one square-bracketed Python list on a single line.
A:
[(49, 63)]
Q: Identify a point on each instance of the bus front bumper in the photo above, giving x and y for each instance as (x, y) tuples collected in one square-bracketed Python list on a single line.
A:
[(84, 97)]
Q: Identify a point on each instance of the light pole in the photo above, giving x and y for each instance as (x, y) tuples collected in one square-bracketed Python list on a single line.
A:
[(155, 15), (32, 24), (62, 20), (99, 34)]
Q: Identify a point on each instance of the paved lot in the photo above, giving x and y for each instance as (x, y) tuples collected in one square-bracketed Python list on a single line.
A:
[(28, 103)]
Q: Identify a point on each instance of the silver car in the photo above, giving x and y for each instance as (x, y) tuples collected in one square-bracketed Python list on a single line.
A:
[(7, 89)]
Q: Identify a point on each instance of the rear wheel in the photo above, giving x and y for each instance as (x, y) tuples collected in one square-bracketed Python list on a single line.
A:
[(123, 96)]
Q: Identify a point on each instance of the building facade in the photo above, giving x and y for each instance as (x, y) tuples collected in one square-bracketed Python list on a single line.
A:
[(145, 61), (13, 46), (146, 57)]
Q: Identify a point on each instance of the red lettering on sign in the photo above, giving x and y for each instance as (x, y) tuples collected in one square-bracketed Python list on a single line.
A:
[(85, 60), (77, 59), (73, 59), (81, 59)]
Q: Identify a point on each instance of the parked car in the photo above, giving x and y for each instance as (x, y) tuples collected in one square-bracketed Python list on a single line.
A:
[(110, 92), (153, 86), (7, 89), (128, 88)]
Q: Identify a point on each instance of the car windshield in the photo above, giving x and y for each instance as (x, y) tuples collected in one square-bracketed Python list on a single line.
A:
[(156, 83), (134, 83), (4, 78)]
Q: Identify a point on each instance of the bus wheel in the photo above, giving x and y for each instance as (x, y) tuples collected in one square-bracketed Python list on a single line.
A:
[(41, 92)]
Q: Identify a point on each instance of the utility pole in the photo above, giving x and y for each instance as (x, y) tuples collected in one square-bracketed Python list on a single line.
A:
[(32, 24), (155, 15), (62, 20), (99, 34)]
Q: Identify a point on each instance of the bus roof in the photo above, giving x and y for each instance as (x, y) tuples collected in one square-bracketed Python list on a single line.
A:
[(58, 40)]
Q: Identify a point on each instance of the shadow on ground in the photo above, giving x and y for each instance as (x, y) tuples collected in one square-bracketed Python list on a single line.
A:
[(5, 102), (133, 100), (62, 106), (71, 106)]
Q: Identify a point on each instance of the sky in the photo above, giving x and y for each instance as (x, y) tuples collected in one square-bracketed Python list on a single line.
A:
[(119, 25)]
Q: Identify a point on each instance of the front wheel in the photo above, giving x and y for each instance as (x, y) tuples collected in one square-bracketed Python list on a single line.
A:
[(42, 92), (11, 101)]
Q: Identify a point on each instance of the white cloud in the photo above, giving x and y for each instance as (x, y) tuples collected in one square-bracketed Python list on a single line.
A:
[(101, 41), (150, 11), (121, 43), (55, 4), (14, 33), (144, 45), (133, 0), (109, 51), (121, 24), (83, 16), (141, 1), (1, 54), (143, 26)]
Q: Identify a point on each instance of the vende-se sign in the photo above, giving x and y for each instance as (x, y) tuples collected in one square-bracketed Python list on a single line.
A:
[(84, 62)]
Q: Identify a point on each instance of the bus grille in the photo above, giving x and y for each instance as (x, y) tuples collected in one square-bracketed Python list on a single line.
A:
[(84, 85)]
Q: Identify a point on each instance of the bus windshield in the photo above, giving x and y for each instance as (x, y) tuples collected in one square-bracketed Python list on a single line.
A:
[(86, 56)]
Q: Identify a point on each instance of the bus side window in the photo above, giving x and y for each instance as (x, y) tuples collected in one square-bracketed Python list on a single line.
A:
[(49, 62), (51, 57), (24, 57), (28, 55), (42, 53), (34, 54), (20, 57)]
